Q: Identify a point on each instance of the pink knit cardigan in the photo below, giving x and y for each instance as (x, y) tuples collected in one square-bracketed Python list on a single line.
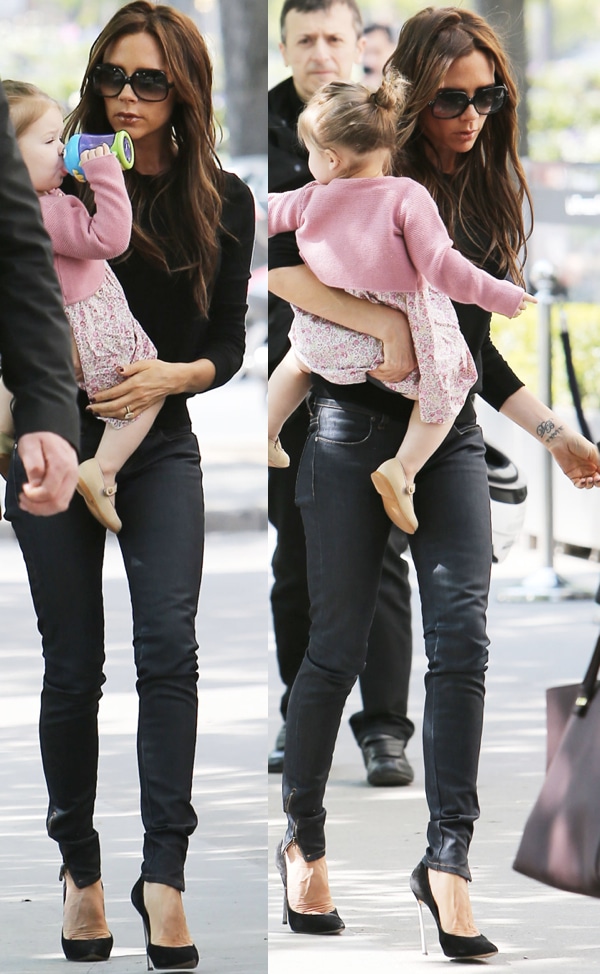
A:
[(81, 243)]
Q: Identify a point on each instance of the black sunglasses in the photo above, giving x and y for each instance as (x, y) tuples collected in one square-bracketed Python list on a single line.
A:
[(449, 103), (147, 84)]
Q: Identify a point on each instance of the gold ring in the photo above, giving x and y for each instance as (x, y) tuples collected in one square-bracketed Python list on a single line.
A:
[(128, 413)]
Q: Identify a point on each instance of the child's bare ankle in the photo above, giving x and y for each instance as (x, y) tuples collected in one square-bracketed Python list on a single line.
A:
[(108, 472), (410, 470)]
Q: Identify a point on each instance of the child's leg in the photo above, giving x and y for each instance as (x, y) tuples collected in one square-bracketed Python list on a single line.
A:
[(288, 386), (96, 481), (118, 443), (420, 442), (394, 479)]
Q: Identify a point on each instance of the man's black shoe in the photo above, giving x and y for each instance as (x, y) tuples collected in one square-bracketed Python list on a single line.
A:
[(275, 760), (385, 761)]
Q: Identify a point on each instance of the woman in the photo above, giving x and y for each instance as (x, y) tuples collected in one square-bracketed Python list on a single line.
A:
[(185, 276), (460, 142)]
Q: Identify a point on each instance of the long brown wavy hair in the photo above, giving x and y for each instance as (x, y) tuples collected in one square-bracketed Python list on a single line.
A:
[(180, 214), (481, 201)]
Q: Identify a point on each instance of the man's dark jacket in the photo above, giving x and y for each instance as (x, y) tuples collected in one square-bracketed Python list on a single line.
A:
[(35, 342), (288, 169)]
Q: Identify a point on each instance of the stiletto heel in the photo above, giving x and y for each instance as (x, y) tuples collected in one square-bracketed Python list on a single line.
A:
[(316, 923), (285, 908), (422, 927), (83, 950), (157, 957), (463, 948)]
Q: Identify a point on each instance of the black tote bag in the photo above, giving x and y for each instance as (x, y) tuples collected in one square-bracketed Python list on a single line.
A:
[(560, 845)]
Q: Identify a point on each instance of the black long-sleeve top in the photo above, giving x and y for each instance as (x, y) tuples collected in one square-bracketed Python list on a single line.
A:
[(164, 304), (287, 170)]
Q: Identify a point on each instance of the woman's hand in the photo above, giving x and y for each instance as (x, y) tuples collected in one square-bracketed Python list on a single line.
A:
[(398, 349), (147, 382), (142, 384), (577, 457)]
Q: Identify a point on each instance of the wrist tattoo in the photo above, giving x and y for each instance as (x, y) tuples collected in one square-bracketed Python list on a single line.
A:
[(548, 430)]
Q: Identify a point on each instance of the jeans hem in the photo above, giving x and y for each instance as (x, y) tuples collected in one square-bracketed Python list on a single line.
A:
[(164, 881), (446, 867)]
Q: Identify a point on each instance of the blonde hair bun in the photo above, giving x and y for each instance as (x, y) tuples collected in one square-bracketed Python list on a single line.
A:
[(392, 94)]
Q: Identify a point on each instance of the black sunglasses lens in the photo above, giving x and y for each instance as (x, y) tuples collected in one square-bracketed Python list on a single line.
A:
[(489, 100), (150, 85), (500, 94), (449, 104), (107, 80)]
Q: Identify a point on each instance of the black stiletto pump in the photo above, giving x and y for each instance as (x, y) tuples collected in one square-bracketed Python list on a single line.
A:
[(162, 958), (84, 950), (463, 948), (316, 923)]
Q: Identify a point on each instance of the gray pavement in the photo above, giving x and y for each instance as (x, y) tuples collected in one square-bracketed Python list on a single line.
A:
[(231, 426), (376, 836), (226, 895)]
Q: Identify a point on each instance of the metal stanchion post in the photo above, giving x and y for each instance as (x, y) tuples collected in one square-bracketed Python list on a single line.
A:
[(544, 584)]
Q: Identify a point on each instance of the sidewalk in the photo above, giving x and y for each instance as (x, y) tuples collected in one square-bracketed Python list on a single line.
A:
[(231, 426), (376, 836)]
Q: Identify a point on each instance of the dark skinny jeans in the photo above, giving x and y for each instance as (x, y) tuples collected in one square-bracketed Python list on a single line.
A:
[(160, 502), (346, 533), (385, 679)]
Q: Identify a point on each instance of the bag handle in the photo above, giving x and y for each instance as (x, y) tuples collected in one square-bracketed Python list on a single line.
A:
[(588, 687)]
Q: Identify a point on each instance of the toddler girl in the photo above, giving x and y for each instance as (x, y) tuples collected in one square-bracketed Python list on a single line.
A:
[(105, 333), (379, 237)]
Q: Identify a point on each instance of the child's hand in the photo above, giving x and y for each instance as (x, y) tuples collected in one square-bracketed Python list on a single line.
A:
[(100, 150), (527, 299)]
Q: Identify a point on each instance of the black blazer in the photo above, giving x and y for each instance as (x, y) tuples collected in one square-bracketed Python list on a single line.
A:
[(35, 342)]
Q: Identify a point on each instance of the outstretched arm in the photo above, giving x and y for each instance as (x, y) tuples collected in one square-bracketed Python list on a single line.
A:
[(299, 286), (445, 268), (577, 457)]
